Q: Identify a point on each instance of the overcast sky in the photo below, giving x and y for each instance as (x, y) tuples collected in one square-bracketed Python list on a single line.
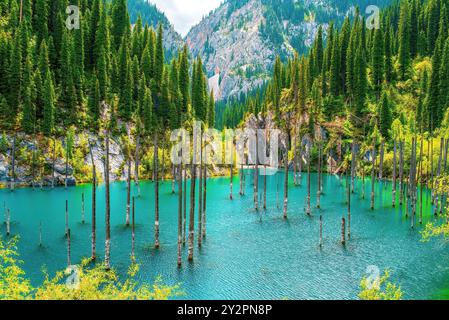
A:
[(184, 14)]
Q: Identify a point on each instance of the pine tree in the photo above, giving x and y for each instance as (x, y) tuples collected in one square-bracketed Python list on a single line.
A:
[(49, 106), (159, 58), (184, 81), (377, 62), (385, 117), (68, 93), (404, 39), (319, 51), (388, 54), (94, 103), (361, 84), (334, 81), (40, 20), (444, 80), (120, 22), (15, 75), (211, 110), (148, 111), (433, 100)]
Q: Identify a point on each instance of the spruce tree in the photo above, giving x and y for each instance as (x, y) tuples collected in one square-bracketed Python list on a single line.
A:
[(211, 110), (120, 22), (184, 80), (385, 117), (49, 106), (404, 39), (377, 62)]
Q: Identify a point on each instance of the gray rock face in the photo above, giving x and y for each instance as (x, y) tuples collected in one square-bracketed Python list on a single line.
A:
[(232, 41)]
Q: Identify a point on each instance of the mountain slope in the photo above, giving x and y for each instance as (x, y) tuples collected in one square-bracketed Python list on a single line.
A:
[(243, 37), (150, 14)]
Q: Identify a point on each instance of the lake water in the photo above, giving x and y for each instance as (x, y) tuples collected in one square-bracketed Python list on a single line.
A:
[(242, 257)]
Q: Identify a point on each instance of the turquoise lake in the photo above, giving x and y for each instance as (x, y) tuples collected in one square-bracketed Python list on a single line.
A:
[(242, 257)]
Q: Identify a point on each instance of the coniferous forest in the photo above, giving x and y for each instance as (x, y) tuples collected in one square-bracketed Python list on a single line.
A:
[(364, 118)]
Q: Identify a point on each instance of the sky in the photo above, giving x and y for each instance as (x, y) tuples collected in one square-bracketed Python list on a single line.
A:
[(184, 14)]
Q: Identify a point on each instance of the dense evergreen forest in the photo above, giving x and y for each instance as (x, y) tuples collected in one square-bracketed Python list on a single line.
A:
[(53, 77)]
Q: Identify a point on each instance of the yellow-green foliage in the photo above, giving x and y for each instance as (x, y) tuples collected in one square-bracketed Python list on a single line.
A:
[(433, 230), (93, 282), (379, 289)]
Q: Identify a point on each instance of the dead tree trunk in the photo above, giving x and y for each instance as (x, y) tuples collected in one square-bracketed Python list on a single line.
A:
[(381, 164), (286, 183), (256, 175), (241, 178), (128, 192), (13, 163), (66, 163), (192, 201), (66, 217), (401, 173), (265, 188), (156, 193), (295, 161), (69, 262), (133, 240), (343, 231), (413, 182), (82, 209), (308, 210), (204, 200), (200, 195), (180, 218), (440, 163), (173, 179), (321, 230), (349, 205), (318, 193), (421, 180), (184, 217), (353, 167), (40, 234), (373, 175), (8, 223), (53, 164), (107, 250), (231, 178), (300, 162), (94, 202), (136, 165), (393, 197)]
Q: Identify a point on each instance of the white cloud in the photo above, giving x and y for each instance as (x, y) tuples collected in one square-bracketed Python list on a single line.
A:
[(184, 14)]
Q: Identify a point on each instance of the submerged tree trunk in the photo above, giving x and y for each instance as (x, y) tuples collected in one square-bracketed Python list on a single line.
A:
[(66, 217), (373, 175), (308, 210), (295, 161), (204, 200), (300, 162), (94, 202), (349, 187), (156, 193), (401, 173), (8, 223), (107, 250), (82, 209), (13, 163), (66, 163), (286, 183), (393, 196), (133, 237), (241, 178), (69, 259), (421, 180), (136, 165), (180, 218), (231, 178), (128, 193), (256, 175), (53, 164), (440, 163), (184, 216), (318, 193), (413, 182), (200, 195), (381, 164), (192, 202), (343, 231), (265, 188), (353, 167), (173, 179)]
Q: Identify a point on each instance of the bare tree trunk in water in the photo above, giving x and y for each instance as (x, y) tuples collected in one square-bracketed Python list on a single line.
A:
[(308, 210), (128, 193), (107, 250), (421, 180), (381, 164), (256, 175), (40, 234), (136, 166), (180, 218), (318, 193), (156, 193), (200, 195), (82, 208), (173, 179), (343, 231), (53, 164), (300, 162), (66, 218), (440, 163), (94, 202), (13, 164), (265, 188), (286, 183), (204, 200), (192, 201), (349, 206), (8, 223), (353, 167), (393, 193), (295, 162), (241, 179), (66, 163), (401, 173), (230, 181), (373, 174), (413, 182), (133, 239), (69, 263), (184, 217)]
